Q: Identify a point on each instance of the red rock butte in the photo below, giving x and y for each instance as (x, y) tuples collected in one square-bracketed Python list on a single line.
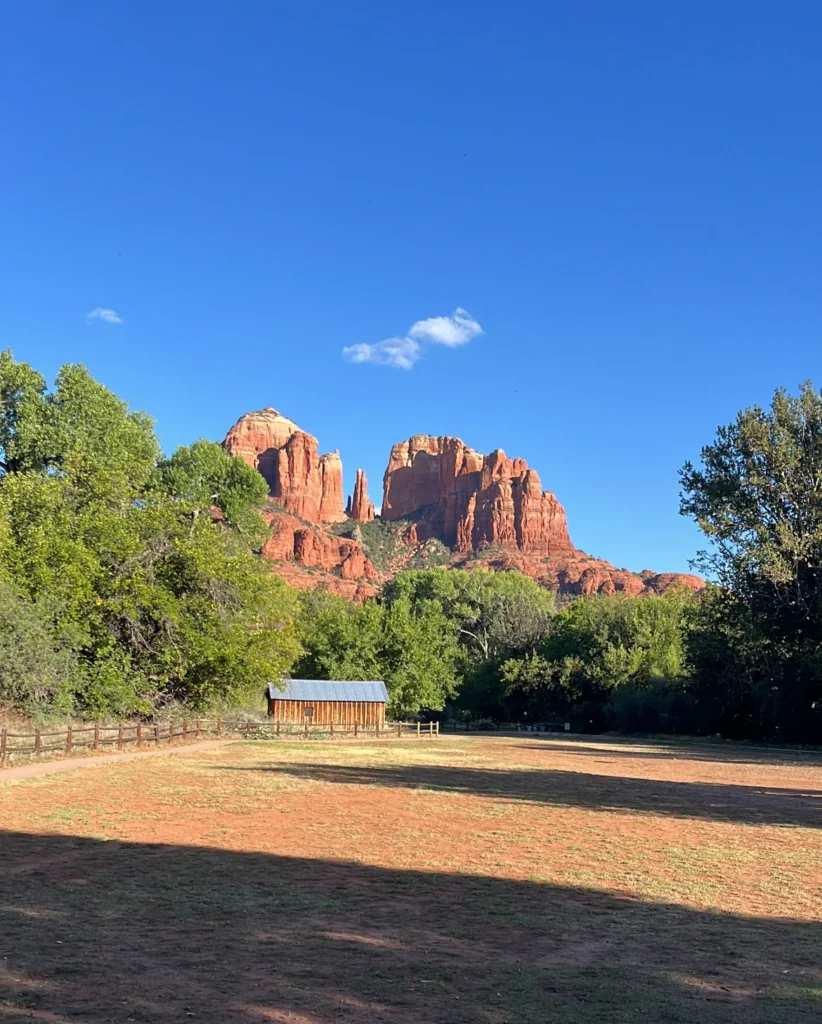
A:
[(495, 505), (299, 479), (488, 509), (471, 501)]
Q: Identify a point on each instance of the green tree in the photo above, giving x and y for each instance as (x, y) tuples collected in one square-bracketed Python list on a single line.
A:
[(151, 563), (38, 670), (757, 642), (413, 648), (597, 646), (494, 612), (207, 477)]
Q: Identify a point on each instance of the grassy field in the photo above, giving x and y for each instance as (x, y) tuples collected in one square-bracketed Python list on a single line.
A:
[(477, 879)]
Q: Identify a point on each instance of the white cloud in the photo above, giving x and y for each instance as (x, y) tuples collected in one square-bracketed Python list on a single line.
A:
[(454, 330), (108, 316), (401, 353)]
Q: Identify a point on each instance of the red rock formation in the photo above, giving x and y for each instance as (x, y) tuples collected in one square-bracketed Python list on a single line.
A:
[(471, 501), (257, 437), (314, 547), (360, 506), (483, 503), (485, 507), (299, 479)]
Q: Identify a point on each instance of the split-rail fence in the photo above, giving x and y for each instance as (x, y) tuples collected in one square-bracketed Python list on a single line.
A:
[(73, 739)]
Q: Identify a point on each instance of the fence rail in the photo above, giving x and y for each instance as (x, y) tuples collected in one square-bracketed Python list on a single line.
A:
[(144, 735)]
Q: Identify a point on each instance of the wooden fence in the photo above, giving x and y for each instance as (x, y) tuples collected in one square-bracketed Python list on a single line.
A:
[(144, 735)]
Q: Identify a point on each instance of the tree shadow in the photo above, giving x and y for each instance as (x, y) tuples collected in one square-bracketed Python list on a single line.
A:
[(709, 801), (682, 750), (110, 932)]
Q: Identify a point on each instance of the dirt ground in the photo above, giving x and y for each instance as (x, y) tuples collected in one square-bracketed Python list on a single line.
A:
[(480, 879)]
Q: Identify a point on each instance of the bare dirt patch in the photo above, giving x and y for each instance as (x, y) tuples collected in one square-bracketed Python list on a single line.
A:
[(482, 879)]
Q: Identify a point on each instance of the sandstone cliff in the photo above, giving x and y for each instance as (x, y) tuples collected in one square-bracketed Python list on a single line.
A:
[(492, 509), (487, 509), (309, 487), (360, 506), (471, 501), (298, 546), (301, 480)]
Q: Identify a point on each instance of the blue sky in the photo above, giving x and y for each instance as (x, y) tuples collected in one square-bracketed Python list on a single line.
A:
[(624, 197)]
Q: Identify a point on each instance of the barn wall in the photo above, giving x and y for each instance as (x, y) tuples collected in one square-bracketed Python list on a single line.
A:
[(340, 712)]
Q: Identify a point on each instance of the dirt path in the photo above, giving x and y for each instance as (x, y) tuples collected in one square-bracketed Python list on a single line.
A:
[(68, 764)]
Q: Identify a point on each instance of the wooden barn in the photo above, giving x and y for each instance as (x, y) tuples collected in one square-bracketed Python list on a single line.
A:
[(327, 702)]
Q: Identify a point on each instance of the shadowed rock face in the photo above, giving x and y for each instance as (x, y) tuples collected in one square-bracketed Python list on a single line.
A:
[(299, 478)]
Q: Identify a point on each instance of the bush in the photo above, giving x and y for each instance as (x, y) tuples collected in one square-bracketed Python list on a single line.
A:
[(37, 667)]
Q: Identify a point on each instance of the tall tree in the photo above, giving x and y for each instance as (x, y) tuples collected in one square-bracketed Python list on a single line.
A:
[(496, 613), (413, 648), (757, 496), (597, 646), (148, 564)]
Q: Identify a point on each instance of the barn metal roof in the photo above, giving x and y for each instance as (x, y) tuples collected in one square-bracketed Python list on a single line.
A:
[(362, 691)]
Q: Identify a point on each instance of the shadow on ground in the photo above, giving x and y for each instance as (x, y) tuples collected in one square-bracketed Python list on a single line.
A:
[(755, 805), (107, 932), (641, 749)]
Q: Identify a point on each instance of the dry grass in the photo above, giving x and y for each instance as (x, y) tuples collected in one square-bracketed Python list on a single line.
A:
[(481, 880)]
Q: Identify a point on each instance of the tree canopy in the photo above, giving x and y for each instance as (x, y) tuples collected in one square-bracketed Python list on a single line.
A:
[(756, 644), (412, 647), (163, 598)]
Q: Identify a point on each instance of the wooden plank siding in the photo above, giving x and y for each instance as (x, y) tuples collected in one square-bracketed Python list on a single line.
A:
[(326, 712)]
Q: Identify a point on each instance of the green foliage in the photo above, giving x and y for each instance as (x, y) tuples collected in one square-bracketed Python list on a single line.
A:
[(382, 541), (205, 476), (412, 648), (163, 602), (596, 646), (757, 643), (495, 615), (38, 670), (494, 612), (656, 709)]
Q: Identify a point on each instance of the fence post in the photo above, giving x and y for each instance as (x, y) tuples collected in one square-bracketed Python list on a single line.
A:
[(277, 728), (120, 737), (157, 733), (399, 730), (355, 728), (332, 730), (418, 730), (3, 743), (430, 729), (38, 743), (438, 728), (139, 735), (170, 731), (196, 728), (69, 740), (185, 728), (219, 727), (306, 728), (247, 729), (96, 735)]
